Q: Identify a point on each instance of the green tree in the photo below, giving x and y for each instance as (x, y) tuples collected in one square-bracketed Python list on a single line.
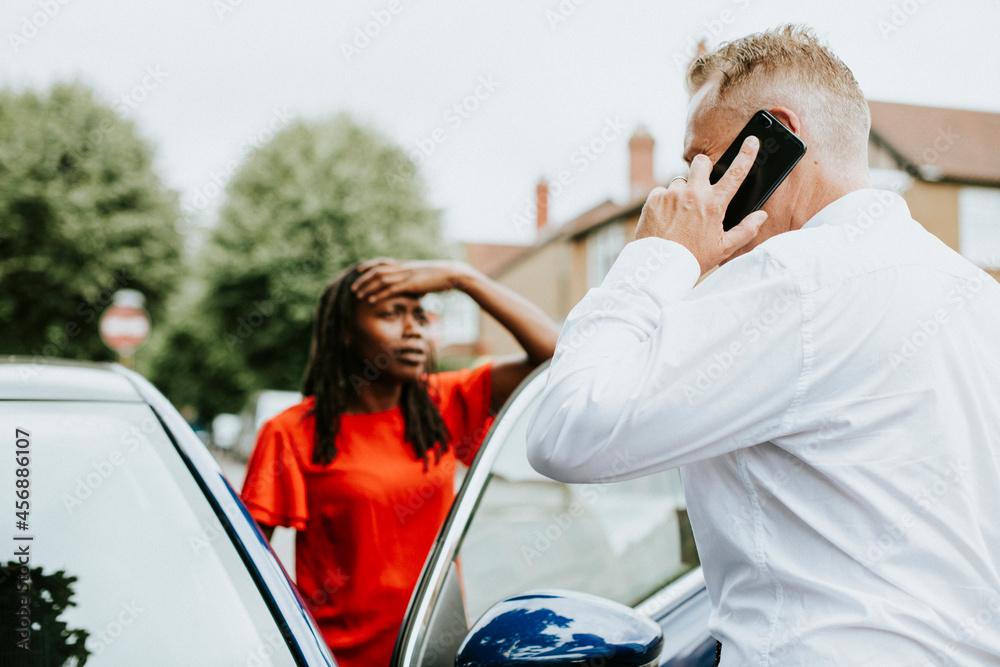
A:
[(188, 363), (82, 214), (317, 197)]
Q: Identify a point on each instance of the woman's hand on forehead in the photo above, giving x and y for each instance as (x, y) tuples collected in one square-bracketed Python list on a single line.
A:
[(384, 277)]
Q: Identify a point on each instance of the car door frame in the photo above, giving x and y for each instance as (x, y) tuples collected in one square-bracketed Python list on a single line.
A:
[(435, 570), (686, 596)]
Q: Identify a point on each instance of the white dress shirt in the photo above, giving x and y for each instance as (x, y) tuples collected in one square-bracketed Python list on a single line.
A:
[(834, 399)]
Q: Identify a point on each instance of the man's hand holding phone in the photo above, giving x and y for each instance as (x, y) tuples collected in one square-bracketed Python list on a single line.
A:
[(691, 212)]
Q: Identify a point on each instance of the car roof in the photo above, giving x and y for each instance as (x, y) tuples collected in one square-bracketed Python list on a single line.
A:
[(46, 379)]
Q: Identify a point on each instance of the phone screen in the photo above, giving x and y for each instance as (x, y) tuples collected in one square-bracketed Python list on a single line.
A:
[(779, 151)]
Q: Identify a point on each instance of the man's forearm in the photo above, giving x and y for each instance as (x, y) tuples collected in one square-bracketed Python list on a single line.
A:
[(604, 355), (636, 384)]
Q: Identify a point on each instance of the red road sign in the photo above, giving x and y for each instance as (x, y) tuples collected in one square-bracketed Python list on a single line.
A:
[(124, 326)]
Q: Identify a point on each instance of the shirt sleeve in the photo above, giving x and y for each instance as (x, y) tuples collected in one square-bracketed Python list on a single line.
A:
[(274, 489), (651, 374), (464, 397)]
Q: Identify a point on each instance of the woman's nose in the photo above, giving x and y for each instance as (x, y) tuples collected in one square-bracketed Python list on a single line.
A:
[(413, 327)]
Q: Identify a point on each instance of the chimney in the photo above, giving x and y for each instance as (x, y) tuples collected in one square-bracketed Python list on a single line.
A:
[(640, 148), (542, 203)]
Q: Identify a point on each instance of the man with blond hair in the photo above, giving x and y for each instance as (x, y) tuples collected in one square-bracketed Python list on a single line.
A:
[(831, 392)]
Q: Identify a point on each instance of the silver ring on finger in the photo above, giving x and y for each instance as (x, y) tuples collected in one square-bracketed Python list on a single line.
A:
[(677, 178)]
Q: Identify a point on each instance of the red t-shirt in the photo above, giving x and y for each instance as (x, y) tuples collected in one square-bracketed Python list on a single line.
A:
[(366, 521)]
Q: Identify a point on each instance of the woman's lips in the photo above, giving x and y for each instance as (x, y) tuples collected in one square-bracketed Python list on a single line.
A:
[(412, 355)]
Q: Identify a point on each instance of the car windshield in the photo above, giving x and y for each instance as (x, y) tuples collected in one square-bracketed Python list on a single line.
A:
[(128, 563)]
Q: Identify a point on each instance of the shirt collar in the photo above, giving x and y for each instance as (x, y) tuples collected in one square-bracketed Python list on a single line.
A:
[(861, 206)]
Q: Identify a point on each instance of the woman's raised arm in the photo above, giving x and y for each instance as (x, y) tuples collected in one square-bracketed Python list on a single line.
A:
[(533, 329)]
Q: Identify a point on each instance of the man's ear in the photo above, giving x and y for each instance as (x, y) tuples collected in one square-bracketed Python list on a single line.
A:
[(788, 118)]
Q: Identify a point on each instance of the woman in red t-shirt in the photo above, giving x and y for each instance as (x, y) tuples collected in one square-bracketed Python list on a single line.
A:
[(363, 467)]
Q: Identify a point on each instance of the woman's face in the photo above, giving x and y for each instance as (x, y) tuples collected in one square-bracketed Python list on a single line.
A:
[(389, 337)]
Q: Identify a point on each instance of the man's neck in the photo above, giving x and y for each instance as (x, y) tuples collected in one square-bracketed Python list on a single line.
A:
[(824, 191)]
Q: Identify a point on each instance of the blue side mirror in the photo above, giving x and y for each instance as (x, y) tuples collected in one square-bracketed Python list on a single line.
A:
[(561, 629)]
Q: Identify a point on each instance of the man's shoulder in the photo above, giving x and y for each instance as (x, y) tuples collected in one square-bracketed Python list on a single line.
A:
[(862, 239)]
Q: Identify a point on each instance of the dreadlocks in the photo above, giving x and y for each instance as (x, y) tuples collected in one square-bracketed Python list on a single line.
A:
[(327, 379)]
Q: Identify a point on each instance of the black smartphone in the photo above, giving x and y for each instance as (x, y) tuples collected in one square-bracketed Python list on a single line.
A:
[(780, 150)]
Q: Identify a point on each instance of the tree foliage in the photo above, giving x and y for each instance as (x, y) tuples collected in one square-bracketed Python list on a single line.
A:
[(43, 600), (82, 214), (317, 197), (187, 361)]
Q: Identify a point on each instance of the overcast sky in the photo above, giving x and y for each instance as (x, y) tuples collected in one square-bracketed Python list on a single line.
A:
[(488, 96)]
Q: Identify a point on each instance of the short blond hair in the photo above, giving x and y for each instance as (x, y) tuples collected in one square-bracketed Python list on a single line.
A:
[(789, 66)]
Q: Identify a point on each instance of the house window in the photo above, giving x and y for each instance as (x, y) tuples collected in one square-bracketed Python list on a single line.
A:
[(603, 247), (454, 318), (979, 226)]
